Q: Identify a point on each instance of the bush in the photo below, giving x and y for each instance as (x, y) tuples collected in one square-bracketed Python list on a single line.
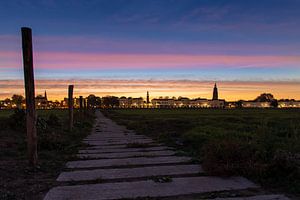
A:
[(284, 165), (53, 120), (228, 157), (4, 123), (17, 121)]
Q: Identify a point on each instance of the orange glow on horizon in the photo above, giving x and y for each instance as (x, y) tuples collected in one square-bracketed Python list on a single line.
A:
[(228, 90)]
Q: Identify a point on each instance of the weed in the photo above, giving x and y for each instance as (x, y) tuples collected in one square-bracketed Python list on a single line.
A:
[(139, 145), (162, 179)]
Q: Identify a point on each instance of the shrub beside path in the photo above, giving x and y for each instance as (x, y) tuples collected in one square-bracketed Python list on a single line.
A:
[(119, 164)]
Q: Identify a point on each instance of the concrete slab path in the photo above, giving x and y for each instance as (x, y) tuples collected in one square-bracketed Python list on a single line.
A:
[(148, 188), (127, 154), (123, 149), (120, 164), (105, 174)]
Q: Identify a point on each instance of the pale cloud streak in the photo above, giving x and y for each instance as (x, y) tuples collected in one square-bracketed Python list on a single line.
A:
[(71, 60)]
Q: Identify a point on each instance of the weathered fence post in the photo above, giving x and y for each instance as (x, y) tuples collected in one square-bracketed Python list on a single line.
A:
[(70, 105), (29, 94), (80, 104), (84, 106)]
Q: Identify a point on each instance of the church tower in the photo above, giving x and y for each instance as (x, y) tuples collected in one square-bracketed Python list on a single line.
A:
[(46, 95), (148, 101), (215, 93)]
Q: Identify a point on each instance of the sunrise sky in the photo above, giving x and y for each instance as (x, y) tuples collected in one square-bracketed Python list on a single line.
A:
[(169, 47)]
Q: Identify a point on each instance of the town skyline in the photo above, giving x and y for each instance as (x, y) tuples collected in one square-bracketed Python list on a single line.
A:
[(264, 100), (230, 90)]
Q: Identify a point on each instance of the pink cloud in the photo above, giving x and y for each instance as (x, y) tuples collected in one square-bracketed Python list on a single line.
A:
[(72, 60)]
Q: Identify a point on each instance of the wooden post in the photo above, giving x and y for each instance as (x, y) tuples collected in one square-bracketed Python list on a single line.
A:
[(84, 106), (29, 94), (70, 104), (87, 104), (80, 104)]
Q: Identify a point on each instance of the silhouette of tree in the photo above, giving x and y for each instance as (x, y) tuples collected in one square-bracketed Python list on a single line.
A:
[(93, 101), (110, 102), (7, 100), (17, 99), (265, 97), (274, 103), (239, 104)]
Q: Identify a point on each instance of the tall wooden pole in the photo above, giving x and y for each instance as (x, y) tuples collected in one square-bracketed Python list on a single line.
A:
[(70, 104), (29, 94), (80, 104), (84, 106)]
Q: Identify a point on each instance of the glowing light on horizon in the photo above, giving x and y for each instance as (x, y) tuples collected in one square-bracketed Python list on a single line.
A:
[(228, 90)]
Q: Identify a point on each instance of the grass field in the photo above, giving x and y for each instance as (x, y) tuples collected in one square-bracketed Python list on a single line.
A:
[(56, 145), (5, 113), (42, 113), (262, 144)]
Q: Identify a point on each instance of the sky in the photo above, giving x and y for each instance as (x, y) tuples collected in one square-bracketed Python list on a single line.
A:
[(169, 47)]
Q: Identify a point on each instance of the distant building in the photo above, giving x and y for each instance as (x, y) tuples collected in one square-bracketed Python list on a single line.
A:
[(256, 104), (216, 102), (199, 103), (232, 104), (64, 103), (76, 102), (41, 102), (137, 103), (286, 103), (131, 102), (184, 102), (163, 103), (5, 104), (148, 99), (215, 93), (220, 103), (124, 102)]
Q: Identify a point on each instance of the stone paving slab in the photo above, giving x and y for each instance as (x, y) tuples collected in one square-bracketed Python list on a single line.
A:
[(113, 134), (126, 161), (112, 145), (128, 154), (108, 135), (115, 137), (112, 141), (100, 142), (119, 150), (149, 188), (118, 146), (106, 174), (120, 137), (258, 197), (107, 130), (93, 147)]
